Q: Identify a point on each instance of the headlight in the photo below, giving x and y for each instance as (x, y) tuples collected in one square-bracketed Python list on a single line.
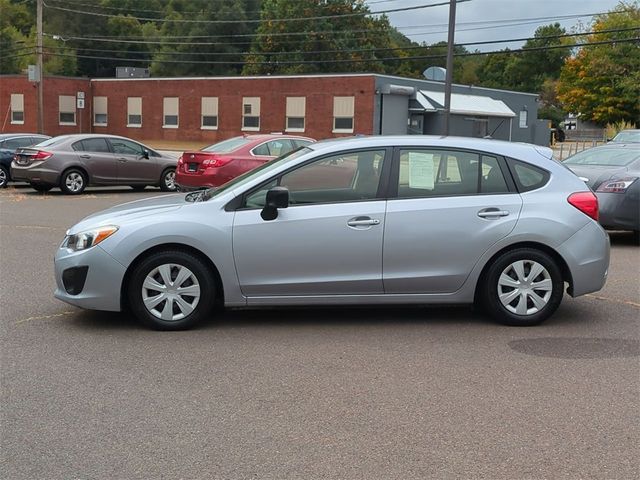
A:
[(88, 238)]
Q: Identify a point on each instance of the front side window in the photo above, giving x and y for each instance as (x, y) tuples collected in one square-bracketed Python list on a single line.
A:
[(18, 142), (345, 177), (432, 173), (126, 147), (274, 148)]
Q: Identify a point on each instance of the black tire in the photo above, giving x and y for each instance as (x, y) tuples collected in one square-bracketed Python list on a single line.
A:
[(204, 278), (73, 181), (4, 177), (138, 188), (39, 187), (168, 180), (489, 292)]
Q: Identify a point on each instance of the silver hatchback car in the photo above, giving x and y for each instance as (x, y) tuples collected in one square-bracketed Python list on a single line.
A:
[(372, 220)]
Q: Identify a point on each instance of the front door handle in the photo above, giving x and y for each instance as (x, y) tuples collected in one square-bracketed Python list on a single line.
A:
[(122, 160), (363, 222), (492, 213)]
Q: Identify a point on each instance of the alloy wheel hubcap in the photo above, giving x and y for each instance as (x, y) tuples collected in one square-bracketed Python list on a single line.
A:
[(170, 180), (525, 287), (170, 292), (74, 182), (3, 178)]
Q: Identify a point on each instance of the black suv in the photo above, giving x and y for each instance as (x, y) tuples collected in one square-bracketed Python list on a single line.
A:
[(9, 142)]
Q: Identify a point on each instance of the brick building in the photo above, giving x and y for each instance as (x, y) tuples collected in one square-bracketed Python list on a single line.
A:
[(209, 109)]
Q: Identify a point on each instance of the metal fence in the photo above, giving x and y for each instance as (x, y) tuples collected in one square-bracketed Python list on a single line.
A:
[(566, 149)]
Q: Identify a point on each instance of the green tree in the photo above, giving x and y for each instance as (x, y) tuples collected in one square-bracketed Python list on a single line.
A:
[(344, 38), (602, 82)]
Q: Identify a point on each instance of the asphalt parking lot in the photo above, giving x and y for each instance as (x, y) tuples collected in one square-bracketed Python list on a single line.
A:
[(358, 393)]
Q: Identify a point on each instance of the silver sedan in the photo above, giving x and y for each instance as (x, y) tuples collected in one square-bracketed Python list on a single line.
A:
[(378, 220)]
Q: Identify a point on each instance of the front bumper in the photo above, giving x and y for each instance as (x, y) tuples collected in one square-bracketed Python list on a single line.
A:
[(102, 279), (38, 173)]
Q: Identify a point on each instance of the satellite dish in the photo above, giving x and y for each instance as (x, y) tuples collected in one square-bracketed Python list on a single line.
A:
[(435, 73)]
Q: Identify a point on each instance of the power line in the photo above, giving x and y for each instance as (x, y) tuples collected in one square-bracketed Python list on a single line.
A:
[(360, 50), (296, 19), (385, 59), (183, 12)]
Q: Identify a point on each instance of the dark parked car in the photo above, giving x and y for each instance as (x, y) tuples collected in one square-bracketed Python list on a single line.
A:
[(9, 142), (218, 163), (612, 171), (72, 162), (627, 136)]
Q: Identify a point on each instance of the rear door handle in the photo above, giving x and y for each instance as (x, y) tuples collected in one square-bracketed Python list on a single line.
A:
[(85, 156), (363, 222), (492, 212), (122, 160)]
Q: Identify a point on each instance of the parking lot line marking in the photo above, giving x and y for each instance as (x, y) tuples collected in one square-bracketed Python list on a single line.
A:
[(45, 317), (41, 227), (613, 300)]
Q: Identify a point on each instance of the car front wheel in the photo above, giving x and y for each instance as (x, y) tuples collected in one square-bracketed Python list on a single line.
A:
[(171, 290), (522, 287)]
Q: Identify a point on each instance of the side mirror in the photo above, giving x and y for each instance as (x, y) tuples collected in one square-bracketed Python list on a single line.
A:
[(145, 154), (277, 197)]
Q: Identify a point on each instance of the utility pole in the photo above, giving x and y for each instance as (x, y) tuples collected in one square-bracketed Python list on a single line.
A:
[(39, 66), (449, 75)]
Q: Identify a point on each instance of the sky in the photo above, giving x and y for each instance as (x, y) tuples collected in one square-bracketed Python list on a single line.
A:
[(430, 24)]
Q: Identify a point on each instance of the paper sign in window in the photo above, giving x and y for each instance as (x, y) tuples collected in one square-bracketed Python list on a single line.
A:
[(421, 170)]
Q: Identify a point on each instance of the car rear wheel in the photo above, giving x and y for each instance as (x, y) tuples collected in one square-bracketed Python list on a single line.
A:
[(171, 290), (38, 187), (522, 287), (73, 182), (4, 177), (168, 180)]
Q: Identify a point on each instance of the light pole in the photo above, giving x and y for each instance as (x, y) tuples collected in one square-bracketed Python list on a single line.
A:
[(39, 64), (449, 74)]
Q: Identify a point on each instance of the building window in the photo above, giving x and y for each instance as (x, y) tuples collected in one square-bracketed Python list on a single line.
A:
[(523, 118), (296, 107), (17, 108), (251, 113), (134, 112), (100, 111), (170, 109), (67, 109), (209, 110), (343, 112)]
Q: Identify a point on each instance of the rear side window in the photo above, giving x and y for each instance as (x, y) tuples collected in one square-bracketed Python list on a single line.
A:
[(528, 177), (94, 145)]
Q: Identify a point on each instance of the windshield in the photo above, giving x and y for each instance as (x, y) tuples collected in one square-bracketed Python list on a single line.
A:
[(227, 146), (248, 176), (627, 136), (610, 157)]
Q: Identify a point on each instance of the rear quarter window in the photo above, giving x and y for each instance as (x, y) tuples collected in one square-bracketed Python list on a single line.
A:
[(528, 177)]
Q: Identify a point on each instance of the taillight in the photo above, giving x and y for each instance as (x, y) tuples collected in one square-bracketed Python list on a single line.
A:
[(586, 202), (216, 161), (619, 185), (41, 155), (181, 159)]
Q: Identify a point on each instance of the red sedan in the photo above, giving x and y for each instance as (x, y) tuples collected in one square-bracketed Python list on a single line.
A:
[(218, 163)]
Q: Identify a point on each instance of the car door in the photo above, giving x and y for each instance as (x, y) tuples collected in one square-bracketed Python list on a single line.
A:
[(133, 165), (95, 155), (327, 242), (449, 208)]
